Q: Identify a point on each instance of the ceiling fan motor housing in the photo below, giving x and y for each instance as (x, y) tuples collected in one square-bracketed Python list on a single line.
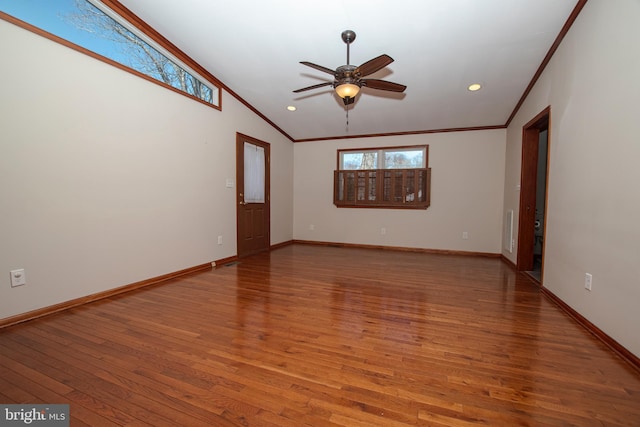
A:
[(346, 74)]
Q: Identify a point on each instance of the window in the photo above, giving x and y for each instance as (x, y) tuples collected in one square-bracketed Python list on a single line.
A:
[(389, 177), (89, 24)]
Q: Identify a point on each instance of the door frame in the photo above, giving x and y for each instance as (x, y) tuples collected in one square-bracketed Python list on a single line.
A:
[(240, 140), (528, 183)]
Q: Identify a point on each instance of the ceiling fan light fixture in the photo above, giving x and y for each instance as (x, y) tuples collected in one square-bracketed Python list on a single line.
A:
[(347, 90), (348, 78)]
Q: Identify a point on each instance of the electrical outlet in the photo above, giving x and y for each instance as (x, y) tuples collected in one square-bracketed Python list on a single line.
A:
[(18, 278), (219, 240), (312, 227), (465, 235), (383, 231), (588, 279)]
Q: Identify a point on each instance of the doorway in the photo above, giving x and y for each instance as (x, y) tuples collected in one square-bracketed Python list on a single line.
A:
[(533, 195), (253, 196)]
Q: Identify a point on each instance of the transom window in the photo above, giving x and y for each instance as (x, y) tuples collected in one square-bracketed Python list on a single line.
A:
[(91, 25), (388, 177)]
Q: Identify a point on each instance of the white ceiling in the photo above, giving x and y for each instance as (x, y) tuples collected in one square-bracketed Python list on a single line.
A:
[(439, 46)]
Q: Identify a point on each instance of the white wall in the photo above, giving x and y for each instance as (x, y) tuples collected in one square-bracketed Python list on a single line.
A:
[(593, 208), (466, 195), (107, 179)]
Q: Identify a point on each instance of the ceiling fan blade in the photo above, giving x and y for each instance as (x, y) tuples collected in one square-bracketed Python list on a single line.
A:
[(319, 67), (383, 85), (373, 65), (313, 87)]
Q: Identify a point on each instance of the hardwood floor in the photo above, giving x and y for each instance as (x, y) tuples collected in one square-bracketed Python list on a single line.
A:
[(320, 336)]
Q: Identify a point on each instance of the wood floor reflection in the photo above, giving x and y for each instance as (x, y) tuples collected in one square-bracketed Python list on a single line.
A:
[(320, 336)]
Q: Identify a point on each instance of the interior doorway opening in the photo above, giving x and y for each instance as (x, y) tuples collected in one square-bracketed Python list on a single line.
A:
[(533, 195)]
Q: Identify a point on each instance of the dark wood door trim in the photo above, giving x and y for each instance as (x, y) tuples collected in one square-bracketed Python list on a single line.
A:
[(528, 178)]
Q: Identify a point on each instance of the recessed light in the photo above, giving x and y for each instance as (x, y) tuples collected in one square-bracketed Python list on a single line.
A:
[(291, 108), (474, 87)]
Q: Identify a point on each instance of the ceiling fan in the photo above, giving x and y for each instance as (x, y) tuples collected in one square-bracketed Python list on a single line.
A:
[(349, 78)]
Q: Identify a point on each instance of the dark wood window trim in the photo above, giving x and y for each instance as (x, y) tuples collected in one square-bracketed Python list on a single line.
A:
[(130, 17), (391, 188)]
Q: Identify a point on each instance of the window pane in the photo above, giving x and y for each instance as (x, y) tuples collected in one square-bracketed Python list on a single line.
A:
[(359, 160), (398, 186), (85, 25), (387, 188), (351, 187), (254, 173), (372, 186), (404, 159), (409, 185), (361, 183)]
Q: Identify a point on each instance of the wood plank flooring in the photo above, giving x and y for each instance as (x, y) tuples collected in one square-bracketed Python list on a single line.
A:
[(320, 336)]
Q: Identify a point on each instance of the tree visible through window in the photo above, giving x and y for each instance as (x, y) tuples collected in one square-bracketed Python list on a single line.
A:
[(390, 177), (91, 25)]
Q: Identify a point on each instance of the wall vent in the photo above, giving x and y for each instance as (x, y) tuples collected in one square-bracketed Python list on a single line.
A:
[(508, 231)]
